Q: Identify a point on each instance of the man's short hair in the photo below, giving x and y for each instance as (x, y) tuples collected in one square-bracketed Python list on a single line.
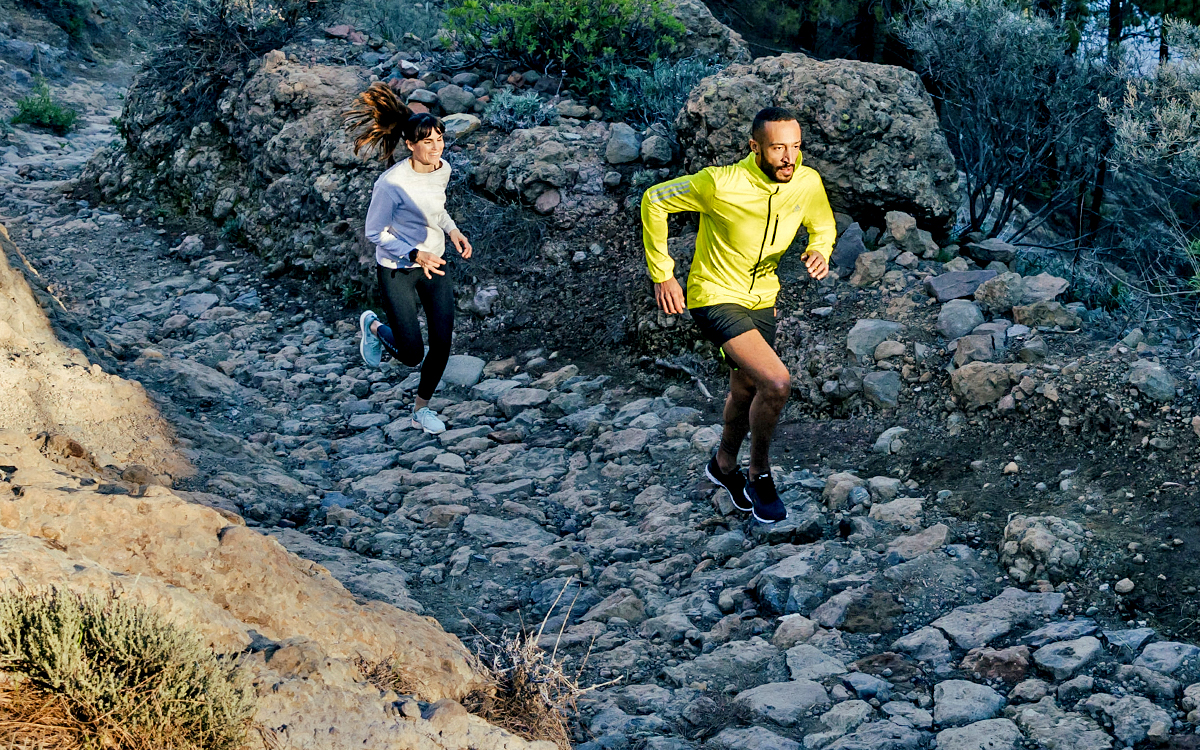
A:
[(769, 114)]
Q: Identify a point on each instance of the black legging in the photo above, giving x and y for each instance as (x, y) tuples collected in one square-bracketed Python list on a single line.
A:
[(401, 289)]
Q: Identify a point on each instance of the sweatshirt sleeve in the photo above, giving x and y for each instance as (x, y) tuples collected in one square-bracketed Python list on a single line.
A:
[(379, 217), (688, 193), (442, 218), (819, 221)]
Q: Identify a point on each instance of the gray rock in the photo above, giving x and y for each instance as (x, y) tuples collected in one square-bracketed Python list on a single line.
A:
[(1153, 380), (752, 662), (1064, 658), (989, 734), (463, 369), (991, 249), (1073, 690), (889, 440), (424, 96), (867, 334), (194, 304), (925, 644), (981, 383), (974, 347), (849, 246), (1061, 631), (869, 268), (1128, 641), (903, 712), (880, 735), (1001, 293), (583, 419), (623, 144), (784, 703), (753, 738), (882, 388), (1132, 716), (498, 531), (1046, 314), (867, 686), (807, 662), (1051, 727), (956, 284), (975, 625), (454, 99), (492, 390), (516, 400), (959, 702), (1167, 657), (460, 124), (846, 716), (958, 317), (1042, 288), (656, 151)]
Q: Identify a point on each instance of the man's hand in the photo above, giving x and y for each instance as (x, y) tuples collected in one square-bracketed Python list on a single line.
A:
[(817, 266), (669, 296), (461, 244), (430, 264)]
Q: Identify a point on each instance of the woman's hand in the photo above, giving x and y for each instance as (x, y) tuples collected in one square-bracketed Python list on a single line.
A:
[(430, 264), (461, 244)]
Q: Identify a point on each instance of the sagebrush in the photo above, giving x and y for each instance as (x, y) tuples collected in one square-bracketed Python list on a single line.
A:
[(115, 675), (508, 111), (391, 20), (655, 95), (40, 109)]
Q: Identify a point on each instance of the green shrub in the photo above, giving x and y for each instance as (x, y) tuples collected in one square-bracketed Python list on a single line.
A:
[(583, 41), (508, 111), (126, 677), (42, 111), (647, 97)]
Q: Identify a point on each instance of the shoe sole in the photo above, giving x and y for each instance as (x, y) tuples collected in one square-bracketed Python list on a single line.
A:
[(362, 343), (760, 519), (426, 430), (732, 497)]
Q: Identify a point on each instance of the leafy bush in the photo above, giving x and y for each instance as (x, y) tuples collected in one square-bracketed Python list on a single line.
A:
[(581, 40), (42, 111), (508, 111), (392, 19), (124, 677), (647, 97), (201, 44)]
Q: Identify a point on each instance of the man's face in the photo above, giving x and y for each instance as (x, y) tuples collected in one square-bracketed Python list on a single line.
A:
[(777, 148)]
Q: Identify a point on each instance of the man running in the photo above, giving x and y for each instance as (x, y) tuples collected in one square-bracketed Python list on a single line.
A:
[(749, 215)]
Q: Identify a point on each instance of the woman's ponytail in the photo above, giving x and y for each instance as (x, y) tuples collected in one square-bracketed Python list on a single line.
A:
[(380, 120)]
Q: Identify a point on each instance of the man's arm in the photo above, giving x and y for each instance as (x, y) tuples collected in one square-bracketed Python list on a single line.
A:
[(822, 231), (688, 193)]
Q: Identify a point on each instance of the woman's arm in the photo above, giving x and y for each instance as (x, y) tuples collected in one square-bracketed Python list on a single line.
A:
[(384, 199)]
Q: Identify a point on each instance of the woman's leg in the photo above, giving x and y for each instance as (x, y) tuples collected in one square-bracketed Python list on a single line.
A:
[(437, 297), (402, 336)]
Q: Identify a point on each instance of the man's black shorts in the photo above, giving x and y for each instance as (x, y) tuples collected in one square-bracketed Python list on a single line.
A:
[(720, 323)]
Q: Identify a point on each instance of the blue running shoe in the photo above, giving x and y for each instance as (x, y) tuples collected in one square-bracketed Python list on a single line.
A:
[(370, 347)]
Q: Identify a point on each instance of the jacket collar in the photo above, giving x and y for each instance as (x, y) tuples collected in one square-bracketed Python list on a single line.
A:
[(760, 179)]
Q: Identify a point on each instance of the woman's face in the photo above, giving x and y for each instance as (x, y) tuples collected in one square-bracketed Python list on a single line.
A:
[(427, 151)]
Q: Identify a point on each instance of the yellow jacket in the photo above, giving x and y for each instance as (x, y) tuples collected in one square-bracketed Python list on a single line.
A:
[(747, 222)]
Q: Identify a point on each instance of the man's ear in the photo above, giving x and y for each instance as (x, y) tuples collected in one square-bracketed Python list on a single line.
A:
[(753, 145)]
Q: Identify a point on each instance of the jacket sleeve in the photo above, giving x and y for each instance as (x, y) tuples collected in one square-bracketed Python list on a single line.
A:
[(688, 193), (819, 221), (379, 217), (442, 218)]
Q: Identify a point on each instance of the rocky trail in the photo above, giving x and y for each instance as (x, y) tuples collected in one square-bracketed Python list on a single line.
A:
[(950, 576)]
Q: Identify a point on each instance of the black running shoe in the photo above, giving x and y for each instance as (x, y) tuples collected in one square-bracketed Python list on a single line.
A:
[(734, 483), (760, 493)]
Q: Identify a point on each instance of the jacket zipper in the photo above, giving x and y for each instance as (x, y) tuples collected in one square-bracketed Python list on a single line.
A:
[(775, 231), (766, 229)]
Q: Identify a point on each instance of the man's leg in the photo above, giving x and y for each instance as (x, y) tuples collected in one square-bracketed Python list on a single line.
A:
[(762, 376)]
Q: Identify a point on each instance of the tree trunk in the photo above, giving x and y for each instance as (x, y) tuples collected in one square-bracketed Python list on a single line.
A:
[(1164, 52), (1115, 25)]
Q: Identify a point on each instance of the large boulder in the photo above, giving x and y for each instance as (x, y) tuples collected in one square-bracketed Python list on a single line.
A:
[(870, 130), (705, 36)]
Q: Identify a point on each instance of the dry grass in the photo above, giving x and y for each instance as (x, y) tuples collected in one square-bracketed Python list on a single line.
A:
[(100, 672), (386, 674)]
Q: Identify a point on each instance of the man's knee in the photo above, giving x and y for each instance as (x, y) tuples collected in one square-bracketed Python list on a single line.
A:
[(776, 386)]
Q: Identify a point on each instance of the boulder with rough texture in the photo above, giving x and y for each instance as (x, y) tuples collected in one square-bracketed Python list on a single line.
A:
[(981, 383), (623, 145), (1041, 547), (784, 703), (704, 35), (849, 246), (975, 625), (869, 130), (959, 702), (1050, 726), (1048, 314), (958, 317), (1042, 288), (1064, 658), (989, 734), (869, 268), (956, 284), (1001, 293), (867, 334), (1152, 379)]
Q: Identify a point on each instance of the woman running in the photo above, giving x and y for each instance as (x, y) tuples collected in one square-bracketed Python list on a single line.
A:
[(408, 223)]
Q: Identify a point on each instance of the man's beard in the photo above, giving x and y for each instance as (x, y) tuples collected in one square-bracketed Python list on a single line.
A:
[(773, 172)]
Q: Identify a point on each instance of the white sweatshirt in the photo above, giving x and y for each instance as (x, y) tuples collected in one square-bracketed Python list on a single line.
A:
[(408, 210)]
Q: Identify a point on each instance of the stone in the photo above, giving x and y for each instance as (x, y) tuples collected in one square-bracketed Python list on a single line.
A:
[(516, 400), (1167, 657), (958, 317), (792, 629), (622, 603), (925, 644), (492, 390), (547, 202), (914, 545), (981, 383), (1132, 716), (1152, 379), (888, 440), (194, 304), (956, 284), (623, 145), (784, 703), (882, 388), (869, 268), (848, 247), (880, 735), (463, 370), (1128, 641), (1009, 664), (1061, 631), (1042, 288), (975, 625), (846, 716), (1000, 293), (867, 166), (1033, 350), (1041, 547), (1065, 658), (889, 349), (838, 487), (656, 151), (737, 663), (1074, 690), (989, 734), (752, 738), (974, 347), (959, 702), (867, 335), (883, 493), (460, 124), (1046, 314), (806, 662), (1051, 727), (990, 250), (494, 531), (455, 99)]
